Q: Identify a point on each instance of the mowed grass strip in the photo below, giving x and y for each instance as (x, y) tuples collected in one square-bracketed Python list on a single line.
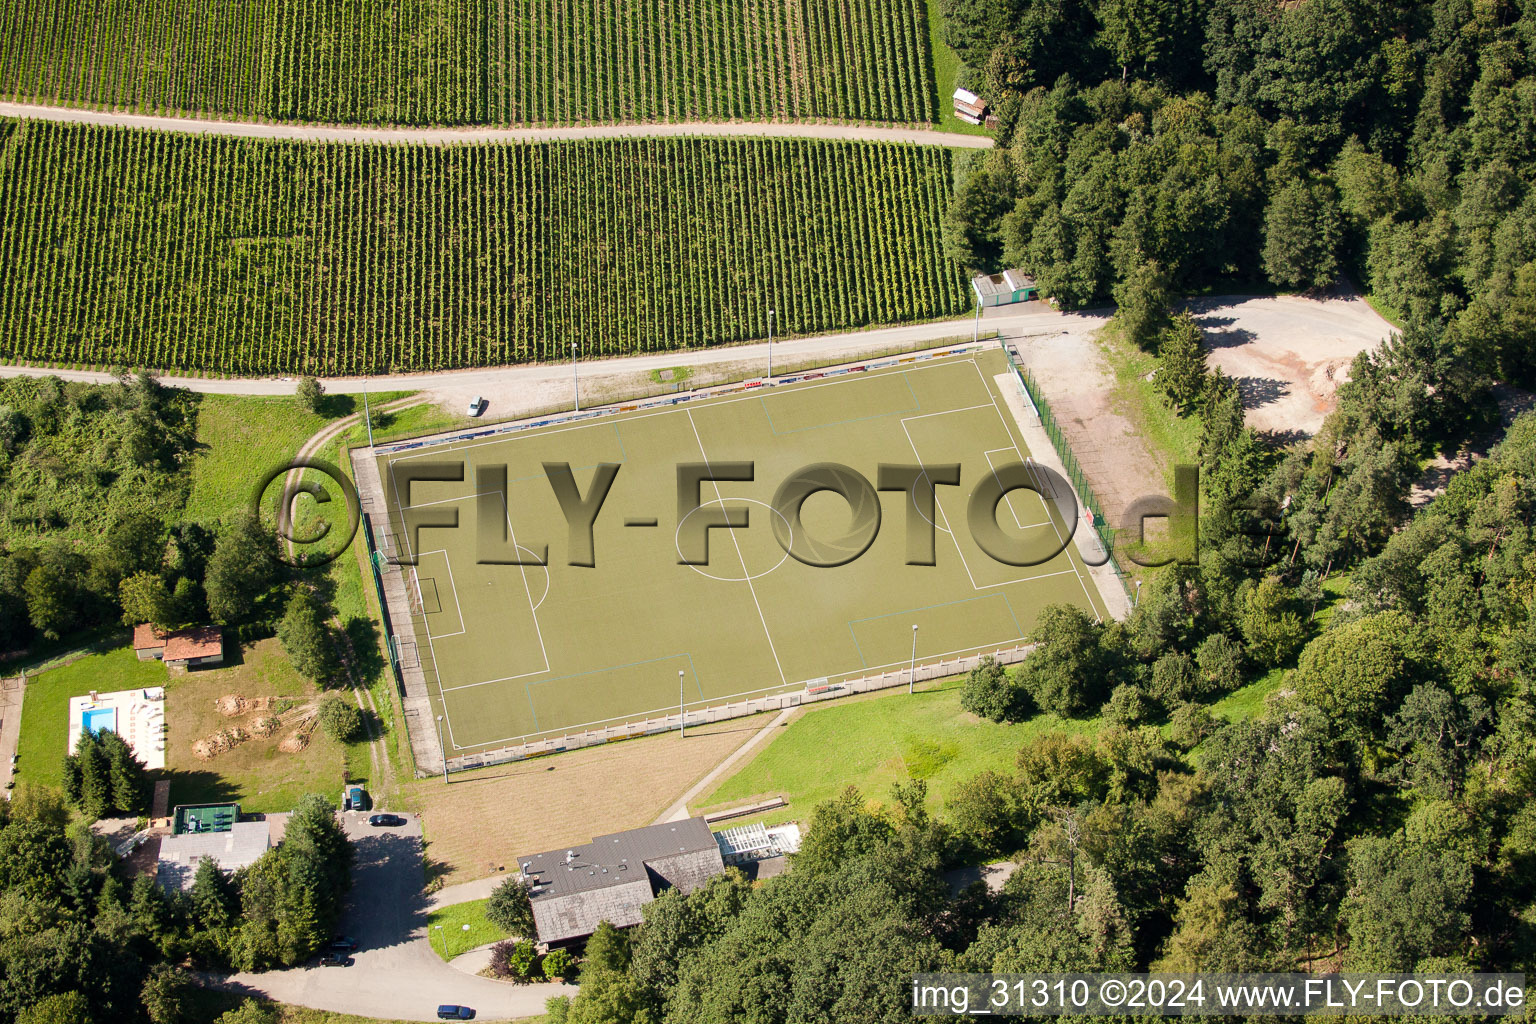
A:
[(877, 740), (460, 928)]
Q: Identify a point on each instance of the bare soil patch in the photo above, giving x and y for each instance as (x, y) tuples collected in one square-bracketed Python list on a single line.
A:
[(482, 820), (1288, 354)]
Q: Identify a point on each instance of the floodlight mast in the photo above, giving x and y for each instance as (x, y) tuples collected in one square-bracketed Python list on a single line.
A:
[(912, 668), (442, 749), (682, 714), (575, 379), (770, 344)]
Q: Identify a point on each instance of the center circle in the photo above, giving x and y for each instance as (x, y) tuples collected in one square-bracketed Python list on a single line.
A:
[(717, 539)]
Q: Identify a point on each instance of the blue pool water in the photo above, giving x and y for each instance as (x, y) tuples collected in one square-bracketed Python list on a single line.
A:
[(99, 720)]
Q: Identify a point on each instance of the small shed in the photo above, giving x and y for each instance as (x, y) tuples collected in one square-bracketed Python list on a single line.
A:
[(148, 641), (200, 645), (969, 107), (1004, 289)]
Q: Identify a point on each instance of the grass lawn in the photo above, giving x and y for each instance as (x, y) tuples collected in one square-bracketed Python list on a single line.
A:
[(1249, 700), (239, 440), (946, 64), (45, 707), (256, 773), (874, 741), (461, 928)]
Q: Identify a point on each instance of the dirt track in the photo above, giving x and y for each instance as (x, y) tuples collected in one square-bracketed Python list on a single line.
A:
[(446, 136)]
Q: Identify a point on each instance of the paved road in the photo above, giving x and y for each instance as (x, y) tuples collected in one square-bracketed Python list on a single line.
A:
[(395, 975), (486, 380), (439, 136)]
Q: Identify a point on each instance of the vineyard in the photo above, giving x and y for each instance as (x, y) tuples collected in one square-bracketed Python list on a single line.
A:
[(459, 62), (177, 251)]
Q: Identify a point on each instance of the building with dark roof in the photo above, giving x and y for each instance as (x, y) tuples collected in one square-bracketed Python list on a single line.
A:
[(614, 876)]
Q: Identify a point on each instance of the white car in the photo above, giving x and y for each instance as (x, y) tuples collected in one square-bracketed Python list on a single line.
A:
[(476, 405)]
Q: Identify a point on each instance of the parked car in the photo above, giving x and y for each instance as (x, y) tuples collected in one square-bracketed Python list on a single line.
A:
[(354, 799), (335, 960), (343, 944), (446, 1012), (386, 820), (476, 405)]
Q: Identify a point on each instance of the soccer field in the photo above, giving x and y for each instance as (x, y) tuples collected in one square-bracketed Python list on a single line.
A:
[(511, 653)]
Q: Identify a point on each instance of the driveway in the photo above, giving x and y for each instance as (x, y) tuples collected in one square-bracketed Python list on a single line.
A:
[(395, 975)]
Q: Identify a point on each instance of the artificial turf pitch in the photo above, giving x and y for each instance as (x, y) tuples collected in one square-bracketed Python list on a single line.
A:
[(512, 653)]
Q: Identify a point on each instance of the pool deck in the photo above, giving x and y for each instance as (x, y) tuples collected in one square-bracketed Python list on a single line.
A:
[(140, 719)]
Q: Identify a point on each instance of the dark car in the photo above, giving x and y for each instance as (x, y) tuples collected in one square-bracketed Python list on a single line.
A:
[(455, 1013), (335, 960), (386, 820), (343, 944), (355, 799)]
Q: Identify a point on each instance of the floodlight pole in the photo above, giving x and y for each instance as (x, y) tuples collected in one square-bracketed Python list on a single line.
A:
[(367, 413), (442, 749), (912, 669), (976, 327), (575, 380), (682, 714), (770, 344), (1137, 602)]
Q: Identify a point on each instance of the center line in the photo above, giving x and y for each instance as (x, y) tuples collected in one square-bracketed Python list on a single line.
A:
[(744, 570)]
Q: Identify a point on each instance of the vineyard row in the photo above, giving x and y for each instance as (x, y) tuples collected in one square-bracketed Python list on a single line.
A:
[(251, 256), (450, 62)]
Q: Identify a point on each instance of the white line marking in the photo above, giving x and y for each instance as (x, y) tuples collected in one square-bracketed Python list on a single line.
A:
[(737, 543)]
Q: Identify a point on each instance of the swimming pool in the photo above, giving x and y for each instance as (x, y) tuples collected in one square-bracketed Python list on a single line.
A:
[(99, 720)]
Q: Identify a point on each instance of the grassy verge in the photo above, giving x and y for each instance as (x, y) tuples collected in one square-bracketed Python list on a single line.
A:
[(1174, 439), (875, 741), (1384, 309), (946, 65), (461, 928)]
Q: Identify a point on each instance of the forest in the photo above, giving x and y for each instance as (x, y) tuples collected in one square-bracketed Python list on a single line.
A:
[(83, 944)]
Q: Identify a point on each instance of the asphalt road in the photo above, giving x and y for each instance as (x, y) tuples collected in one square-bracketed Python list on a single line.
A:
[(395, 975), (441, 136)]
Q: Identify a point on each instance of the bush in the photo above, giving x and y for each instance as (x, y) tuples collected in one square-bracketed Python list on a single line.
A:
[(992, 694), (1220, 661), (310, 393), (340, 718), (559, 965), (1189, 724), (513, 959), (510, 909), (1127, 706), (1174, 679)]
